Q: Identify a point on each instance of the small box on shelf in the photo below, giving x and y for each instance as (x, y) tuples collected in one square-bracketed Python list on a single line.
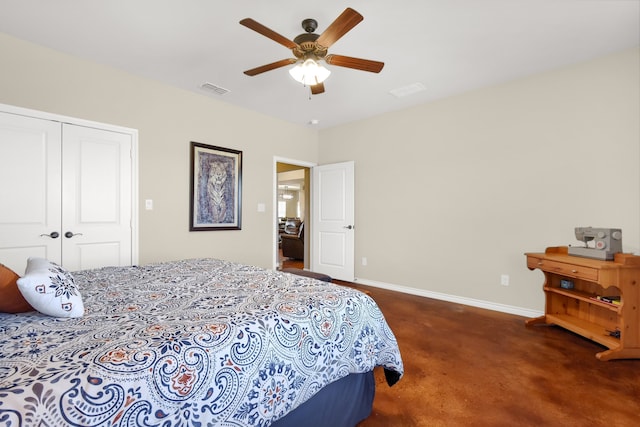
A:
[(566, 284)]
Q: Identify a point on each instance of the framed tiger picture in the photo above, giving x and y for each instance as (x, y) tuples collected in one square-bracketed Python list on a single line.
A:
[(216, 188)]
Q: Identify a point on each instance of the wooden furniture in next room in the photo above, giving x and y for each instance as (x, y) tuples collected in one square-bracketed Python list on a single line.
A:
[(572, 286)]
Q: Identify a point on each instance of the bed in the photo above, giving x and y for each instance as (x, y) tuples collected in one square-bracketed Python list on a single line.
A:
[(197, 342)]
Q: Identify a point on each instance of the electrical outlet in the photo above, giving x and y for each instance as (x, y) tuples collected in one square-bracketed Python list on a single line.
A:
[(364, 260), (504, 280)]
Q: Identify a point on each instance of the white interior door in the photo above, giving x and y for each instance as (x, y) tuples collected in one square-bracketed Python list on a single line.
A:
[(30, 185), (333, 220), (97, 199)]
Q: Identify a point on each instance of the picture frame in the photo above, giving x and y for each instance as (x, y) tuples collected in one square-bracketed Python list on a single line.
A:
[(215, 188)]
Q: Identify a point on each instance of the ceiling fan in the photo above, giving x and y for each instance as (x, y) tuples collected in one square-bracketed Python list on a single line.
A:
[(309, 48)]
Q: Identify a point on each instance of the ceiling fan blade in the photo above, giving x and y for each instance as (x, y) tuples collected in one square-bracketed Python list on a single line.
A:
[(356, 63), (267, 32), (338, 28), (317, 89), (269, 67)]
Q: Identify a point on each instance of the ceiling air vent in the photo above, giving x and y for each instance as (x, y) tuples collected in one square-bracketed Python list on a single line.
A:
[(407, 90), (214, 88)]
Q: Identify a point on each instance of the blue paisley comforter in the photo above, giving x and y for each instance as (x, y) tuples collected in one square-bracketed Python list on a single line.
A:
[(188, 343)]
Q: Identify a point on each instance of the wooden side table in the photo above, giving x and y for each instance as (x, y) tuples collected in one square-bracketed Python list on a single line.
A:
[(572, 286)]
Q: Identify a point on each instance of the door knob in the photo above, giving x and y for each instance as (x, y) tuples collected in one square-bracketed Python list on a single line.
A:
[(348, 227), (53, 235), (70, 234)]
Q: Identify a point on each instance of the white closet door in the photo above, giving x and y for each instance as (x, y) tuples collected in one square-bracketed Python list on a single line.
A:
[(30, 180), (96, 198)]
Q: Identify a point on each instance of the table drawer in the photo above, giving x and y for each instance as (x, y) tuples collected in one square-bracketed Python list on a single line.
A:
[(570, 270)]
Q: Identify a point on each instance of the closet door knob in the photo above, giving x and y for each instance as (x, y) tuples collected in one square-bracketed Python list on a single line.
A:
[(53, 235), (70, 234)]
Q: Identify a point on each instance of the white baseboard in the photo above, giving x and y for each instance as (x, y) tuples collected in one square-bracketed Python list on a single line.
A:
[(519, 311)]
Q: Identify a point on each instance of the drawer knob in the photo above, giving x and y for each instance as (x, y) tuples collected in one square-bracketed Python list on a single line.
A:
[(574, 271)]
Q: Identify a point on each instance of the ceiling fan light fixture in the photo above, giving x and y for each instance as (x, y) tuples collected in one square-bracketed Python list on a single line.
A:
[(309, 72)]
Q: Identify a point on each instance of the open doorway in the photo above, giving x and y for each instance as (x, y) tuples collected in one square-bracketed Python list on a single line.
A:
[(292, 215)]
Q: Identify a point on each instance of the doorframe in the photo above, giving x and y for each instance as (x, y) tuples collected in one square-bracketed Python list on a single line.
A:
[(274, 216)]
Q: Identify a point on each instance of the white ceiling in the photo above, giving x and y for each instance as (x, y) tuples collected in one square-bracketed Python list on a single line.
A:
[(449, 46)]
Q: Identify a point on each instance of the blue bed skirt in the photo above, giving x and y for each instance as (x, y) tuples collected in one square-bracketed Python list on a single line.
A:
[(343, 403)]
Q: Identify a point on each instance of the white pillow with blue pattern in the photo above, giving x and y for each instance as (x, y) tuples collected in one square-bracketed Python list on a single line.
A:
[(50, 289)]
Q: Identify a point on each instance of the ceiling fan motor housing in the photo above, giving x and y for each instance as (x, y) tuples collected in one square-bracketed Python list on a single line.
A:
[(307, 47)]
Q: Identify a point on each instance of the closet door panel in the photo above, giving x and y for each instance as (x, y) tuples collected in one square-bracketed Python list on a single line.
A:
[(30, 185), (97, 198)]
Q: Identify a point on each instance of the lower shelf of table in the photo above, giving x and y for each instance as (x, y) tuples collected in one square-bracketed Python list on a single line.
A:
[(582, 327)]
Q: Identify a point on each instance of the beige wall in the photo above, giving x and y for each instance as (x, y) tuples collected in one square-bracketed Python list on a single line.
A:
[(449, 195), (167, 119)]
